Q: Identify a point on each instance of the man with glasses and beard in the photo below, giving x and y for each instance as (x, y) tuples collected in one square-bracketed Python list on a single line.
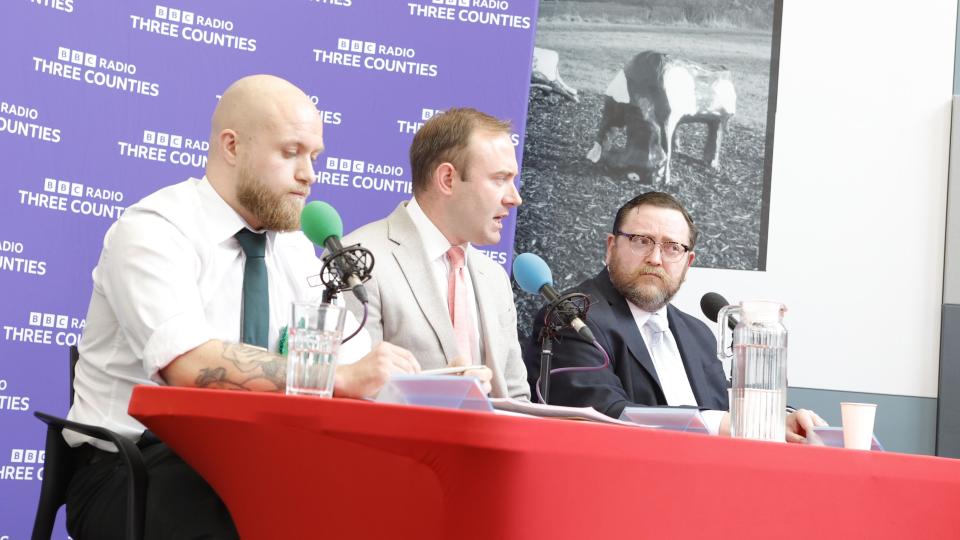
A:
[(193, 288), (648, 254)]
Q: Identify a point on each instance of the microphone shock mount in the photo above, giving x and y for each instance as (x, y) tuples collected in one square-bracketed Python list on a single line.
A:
[(355, 260), (563, 310)]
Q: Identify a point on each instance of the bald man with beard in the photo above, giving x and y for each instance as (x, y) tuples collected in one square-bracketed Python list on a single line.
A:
[(167, 303)]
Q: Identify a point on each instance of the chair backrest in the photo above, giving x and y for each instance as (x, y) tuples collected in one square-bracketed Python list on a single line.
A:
[(57, 472), (57, 468), (61, 460), (74, 358)]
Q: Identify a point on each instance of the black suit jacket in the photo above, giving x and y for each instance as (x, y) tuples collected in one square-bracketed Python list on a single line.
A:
[(631, 379)]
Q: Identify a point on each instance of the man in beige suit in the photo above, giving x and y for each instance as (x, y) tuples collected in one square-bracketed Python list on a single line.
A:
[(432, 292)]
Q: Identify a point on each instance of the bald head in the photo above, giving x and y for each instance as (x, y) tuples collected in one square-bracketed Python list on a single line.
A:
[(254, 103), (265, 135)]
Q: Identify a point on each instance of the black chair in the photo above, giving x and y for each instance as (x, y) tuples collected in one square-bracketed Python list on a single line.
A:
[(60, 462)]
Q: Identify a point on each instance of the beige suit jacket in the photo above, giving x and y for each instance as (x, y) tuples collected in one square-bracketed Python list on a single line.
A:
[(406, 308)]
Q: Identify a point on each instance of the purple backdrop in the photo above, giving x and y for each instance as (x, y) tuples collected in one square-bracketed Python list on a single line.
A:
[(104, 101)]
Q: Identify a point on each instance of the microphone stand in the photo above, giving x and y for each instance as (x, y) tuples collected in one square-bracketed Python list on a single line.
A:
[(333, 283), (559, 312), (329, 293), (546, 354)]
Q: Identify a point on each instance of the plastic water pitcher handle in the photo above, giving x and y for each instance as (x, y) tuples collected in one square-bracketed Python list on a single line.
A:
[(722, 326)]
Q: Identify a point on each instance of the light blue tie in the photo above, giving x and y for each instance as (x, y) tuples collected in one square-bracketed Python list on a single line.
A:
[(666, 360)]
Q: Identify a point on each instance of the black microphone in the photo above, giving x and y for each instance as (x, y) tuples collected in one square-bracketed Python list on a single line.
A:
[(711, 304), (534, 276), (321, 223)]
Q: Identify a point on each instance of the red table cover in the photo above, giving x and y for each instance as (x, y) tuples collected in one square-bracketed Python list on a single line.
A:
[(304, 467)]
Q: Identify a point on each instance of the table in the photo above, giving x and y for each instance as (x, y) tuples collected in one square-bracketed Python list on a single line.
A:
[(305, 467)]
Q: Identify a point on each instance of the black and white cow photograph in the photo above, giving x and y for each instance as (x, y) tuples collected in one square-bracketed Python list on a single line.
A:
[(631, 96)]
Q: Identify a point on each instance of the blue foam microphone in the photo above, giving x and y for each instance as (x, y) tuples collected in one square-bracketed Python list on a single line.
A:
[(534, 276)]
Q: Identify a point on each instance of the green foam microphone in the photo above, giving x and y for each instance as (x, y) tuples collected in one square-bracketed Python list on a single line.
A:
[(320, 221), (344, 268)]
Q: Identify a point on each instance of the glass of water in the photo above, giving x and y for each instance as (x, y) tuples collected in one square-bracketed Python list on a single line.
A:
[(313, 339)]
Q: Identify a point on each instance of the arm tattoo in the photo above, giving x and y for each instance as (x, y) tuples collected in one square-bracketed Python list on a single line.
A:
[(253, 369)]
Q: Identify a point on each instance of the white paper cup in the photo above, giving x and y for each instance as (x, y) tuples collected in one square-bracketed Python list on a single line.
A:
[(858, 424)]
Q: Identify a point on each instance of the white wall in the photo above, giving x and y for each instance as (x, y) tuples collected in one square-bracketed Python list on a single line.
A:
[(951, 270), (858, 199)]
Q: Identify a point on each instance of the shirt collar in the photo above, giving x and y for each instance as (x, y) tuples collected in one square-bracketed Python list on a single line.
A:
[(221, 219), (641, 316), (434, 242)]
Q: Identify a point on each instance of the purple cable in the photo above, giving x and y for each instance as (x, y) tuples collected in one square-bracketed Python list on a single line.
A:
[(606, 362), (359, 327)]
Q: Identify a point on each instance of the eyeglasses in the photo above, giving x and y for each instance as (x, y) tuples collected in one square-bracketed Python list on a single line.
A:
[(642, 245)]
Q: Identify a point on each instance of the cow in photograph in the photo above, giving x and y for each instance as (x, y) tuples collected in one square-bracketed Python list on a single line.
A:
[(650, 97), (546, 74)]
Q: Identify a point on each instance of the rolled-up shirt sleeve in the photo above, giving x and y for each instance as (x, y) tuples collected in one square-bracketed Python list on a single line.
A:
[(148, 271)]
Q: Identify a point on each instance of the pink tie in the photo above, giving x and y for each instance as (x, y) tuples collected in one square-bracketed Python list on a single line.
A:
[(457, 303)]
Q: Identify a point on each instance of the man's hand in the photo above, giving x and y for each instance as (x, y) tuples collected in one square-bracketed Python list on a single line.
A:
[(367, 376), (725, 425), (798, 424), (801, 422), (482, 373)]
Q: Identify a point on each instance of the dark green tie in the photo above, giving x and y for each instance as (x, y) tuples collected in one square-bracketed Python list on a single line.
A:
[(256, 296)]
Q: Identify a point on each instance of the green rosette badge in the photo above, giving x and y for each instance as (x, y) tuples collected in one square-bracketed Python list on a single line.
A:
[(282, 342)]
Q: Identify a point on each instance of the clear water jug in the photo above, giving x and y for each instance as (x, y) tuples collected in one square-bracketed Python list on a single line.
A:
[(758, 397)]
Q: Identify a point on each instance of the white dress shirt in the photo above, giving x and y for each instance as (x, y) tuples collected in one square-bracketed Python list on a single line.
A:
[(436, 246), (170, 278), (671, 371)]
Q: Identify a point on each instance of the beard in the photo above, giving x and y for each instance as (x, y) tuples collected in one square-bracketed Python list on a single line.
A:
[(275, 212), (647, 296)]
